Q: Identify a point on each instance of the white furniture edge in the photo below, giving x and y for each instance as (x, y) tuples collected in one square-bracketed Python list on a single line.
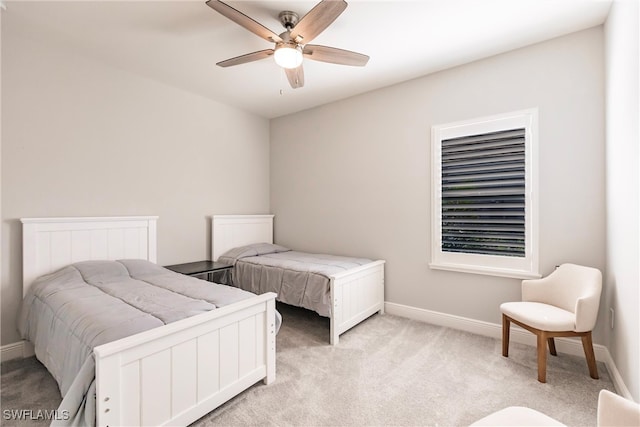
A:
[(494, 330), (356, 294), (169, 375)]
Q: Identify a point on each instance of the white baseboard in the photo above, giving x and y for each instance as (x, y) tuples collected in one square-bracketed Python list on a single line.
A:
[(12, 351), (618, 382), (16, 350), (564, 345)]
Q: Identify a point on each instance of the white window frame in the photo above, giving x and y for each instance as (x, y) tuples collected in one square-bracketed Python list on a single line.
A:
[(505, 266)]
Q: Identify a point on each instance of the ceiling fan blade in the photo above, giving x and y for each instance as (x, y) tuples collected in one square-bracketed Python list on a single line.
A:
[(318, 18), (335, 55), (244, 21), (295, 76), (249, 57)]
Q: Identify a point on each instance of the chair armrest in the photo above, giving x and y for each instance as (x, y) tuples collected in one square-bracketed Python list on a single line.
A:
[(587, 312)]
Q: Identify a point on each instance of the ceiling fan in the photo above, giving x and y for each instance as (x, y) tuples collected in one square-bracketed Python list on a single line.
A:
[(292, 45)]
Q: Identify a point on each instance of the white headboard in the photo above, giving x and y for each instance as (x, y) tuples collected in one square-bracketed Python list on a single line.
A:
[(230, 231), (51, 243)]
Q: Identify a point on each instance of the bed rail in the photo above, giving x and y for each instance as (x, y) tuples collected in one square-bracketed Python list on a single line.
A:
[(179, 372), (356, 294)]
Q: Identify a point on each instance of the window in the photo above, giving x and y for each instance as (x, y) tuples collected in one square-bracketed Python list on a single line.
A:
[(484, 201)]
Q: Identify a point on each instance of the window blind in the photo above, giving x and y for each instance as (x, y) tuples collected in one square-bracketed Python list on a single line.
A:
[(483, 193)]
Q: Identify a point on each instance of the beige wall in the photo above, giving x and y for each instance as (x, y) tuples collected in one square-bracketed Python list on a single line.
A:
[(352, 177), (82, 139), (623, 188)]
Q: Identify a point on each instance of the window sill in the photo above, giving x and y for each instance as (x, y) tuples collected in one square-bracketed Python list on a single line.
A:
[(488, 271)]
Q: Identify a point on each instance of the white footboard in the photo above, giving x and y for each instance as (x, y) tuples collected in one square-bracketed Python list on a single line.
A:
[(356, 294), (179, 372)]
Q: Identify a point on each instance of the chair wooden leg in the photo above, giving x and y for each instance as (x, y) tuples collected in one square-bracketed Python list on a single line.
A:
[(506, 325), (552, 346), (542, 356), (587, 344)]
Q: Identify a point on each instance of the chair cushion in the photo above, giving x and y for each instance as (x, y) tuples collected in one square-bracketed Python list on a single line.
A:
[(517, 416), (540, 316)]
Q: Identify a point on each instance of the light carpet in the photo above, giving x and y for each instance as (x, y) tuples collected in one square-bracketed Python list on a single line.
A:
[(386, 371)]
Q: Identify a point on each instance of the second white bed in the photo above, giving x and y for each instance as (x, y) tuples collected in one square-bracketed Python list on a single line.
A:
[(354, 294)]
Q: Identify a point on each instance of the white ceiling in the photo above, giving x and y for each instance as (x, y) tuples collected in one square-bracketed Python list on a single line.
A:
[(179, 42)]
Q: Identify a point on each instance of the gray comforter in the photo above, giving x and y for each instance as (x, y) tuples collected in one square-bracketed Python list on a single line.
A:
[(299, 278), (69, 312)]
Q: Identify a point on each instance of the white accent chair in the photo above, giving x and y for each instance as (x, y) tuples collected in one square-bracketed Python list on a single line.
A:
[(563, 304), (613, 411)]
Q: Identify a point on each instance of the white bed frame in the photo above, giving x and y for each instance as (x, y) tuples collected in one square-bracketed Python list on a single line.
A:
[(171, 375), (356, 294)]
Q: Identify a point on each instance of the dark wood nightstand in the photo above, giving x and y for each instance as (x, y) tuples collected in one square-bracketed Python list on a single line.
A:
[(216, 271)]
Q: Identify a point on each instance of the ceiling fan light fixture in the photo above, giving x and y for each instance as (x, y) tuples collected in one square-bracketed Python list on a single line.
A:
[(293, 43), (288, 55)]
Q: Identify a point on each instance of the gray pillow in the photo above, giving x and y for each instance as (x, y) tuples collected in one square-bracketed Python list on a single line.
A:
[(254, 249)]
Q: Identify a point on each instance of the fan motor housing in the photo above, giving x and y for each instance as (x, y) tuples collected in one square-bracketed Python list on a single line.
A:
[(288, 19)]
